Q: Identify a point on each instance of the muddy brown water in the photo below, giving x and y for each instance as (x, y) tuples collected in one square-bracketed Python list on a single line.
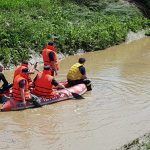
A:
[(115, 112)]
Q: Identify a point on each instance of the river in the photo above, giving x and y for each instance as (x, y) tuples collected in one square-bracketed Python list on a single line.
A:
[(116, 111)]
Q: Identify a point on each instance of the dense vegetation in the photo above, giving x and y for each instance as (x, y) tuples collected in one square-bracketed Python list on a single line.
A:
[(144, 5), (27, 25)]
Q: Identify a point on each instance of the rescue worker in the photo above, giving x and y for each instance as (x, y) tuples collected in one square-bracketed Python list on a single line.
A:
[(77, 74), (20, 89), (6, 86), (50, 57), (25, 65), (44, 83)]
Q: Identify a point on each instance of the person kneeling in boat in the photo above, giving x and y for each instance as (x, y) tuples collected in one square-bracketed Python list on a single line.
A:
[(44, 84), (77, 74), (6, 86)]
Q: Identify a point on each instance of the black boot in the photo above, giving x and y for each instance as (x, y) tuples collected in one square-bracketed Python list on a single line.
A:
[(35, 101), (89, 87), (88, 84)]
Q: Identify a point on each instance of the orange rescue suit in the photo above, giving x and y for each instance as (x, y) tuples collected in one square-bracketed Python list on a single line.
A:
[(16, 90), (46, 58), (43, 86), (18, 71)]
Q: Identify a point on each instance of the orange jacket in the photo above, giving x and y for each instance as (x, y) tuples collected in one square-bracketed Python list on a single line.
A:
[(46, 58), (16, 90), (51, 47), (43, 86), (18, 71)]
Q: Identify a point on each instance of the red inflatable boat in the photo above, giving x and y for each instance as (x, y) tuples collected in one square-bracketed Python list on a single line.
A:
[(63, 94)]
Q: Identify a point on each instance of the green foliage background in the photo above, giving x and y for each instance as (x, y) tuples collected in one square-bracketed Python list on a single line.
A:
[(27, 25)]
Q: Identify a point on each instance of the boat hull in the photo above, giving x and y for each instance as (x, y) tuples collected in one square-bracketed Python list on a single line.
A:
[(63, 94)]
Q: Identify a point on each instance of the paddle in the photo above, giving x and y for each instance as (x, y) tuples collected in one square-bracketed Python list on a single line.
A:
[(75, 95)]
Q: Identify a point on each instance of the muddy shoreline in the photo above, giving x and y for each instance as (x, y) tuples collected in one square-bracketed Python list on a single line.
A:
[(141, 143)]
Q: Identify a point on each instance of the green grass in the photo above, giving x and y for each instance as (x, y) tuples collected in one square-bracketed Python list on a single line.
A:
[(27, 25)]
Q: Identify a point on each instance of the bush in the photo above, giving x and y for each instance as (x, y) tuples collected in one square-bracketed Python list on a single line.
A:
[(90, 25)]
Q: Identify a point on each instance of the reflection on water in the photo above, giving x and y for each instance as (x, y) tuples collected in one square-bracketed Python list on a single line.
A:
[(116, 111)]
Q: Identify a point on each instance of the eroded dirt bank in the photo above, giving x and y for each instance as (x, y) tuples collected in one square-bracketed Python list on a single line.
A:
[(141, 143)]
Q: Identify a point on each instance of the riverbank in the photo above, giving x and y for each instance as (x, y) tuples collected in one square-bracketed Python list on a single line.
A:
[(29, 25), (141, 143), (132, 36), (36, 57)]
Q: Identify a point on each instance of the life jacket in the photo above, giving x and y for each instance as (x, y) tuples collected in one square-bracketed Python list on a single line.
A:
[(74, 72), (46, 59), (16, 90), (51, 47), (19, 69), (43, 86)]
